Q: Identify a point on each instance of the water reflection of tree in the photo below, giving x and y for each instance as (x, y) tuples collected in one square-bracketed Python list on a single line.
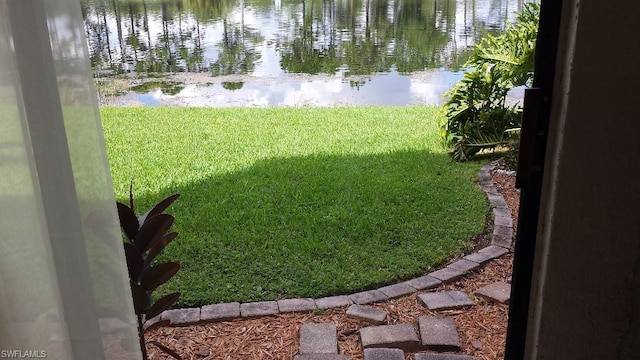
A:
[(374, 36), (426, 29), (236, 55), (208, 10), (237, 48), (177, 48), (179, 45), (354, 37), (307, 53), (366, 52)]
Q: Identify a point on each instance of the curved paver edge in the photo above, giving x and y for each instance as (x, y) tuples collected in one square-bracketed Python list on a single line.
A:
[(501, 241)]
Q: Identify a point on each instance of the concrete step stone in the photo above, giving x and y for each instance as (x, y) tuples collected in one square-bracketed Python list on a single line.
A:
[(367, 297), (383, 354), (439, 333), (496, 200), (397, 290), (502, 212), (432, 356), (446, 274), (367, 313), (182, 316), (322, 357), (220, 312), (502, 217), (488, 188), (501, 241), (424, 282), (318, 339), (505, 232), (400, 336), (478, 257), (445, 300), (484, 175), (260, 308), (495, 251), (486, 254), (333, 302), (503, 221), (499, 291), (464, 265), (296, 305)]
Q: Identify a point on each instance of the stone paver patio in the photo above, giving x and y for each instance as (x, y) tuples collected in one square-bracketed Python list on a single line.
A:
[(445, 300), (500, 292), (400, 336), (383, 354), (439, 333), (318, 339), (367, 313)]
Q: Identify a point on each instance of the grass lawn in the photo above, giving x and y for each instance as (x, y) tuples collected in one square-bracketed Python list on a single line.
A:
[(296, 202)]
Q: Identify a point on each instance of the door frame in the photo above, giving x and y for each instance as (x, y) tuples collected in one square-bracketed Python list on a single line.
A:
[(531, 159)]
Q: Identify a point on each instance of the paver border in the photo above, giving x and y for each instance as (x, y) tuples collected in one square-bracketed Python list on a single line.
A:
[(501, 241)]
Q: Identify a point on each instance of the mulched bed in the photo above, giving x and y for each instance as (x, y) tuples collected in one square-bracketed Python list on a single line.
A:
[(482, 328)]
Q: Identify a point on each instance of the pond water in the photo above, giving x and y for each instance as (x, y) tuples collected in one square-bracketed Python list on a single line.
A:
[(284, 52)]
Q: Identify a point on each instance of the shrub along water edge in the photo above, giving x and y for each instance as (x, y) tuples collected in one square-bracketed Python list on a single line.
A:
[(476, 115)]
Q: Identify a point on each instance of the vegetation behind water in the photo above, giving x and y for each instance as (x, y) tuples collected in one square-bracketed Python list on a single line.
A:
[(229, 37)]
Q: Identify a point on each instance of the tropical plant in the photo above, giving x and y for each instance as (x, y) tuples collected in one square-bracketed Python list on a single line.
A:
[(145, 238), (476, 114)]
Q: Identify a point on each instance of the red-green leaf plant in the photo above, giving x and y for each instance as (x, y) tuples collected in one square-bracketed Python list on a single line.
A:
[(145, 237)]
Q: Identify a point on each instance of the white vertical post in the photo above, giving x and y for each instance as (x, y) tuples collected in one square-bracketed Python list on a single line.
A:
[(50, 151)]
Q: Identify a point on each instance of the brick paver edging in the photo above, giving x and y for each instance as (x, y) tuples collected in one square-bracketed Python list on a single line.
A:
[(500, 244)]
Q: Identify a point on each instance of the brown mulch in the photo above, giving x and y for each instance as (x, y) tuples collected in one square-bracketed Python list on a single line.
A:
[(482, 328)]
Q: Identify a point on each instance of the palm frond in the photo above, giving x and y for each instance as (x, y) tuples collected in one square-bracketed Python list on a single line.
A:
[(476, 114)]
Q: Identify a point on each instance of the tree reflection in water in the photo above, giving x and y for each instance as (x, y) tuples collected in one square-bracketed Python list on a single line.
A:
[(352, 39)]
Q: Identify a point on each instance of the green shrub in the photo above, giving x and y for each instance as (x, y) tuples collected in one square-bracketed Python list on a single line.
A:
[(476, 116)]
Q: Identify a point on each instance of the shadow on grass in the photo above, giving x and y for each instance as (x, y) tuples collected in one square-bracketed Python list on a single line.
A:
[(319, 225)]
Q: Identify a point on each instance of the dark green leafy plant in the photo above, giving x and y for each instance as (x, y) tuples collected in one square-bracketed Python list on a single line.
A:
[(145, 237), (476, 116)]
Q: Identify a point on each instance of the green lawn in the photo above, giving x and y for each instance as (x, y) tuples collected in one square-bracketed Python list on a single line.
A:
[(296, 202)]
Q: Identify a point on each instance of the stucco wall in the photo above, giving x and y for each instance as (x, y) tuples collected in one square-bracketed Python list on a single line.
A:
[(586, 300)]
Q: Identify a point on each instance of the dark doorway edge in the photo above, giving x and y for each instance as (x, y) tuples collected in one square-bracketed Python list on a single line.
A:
[(530, 175)]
